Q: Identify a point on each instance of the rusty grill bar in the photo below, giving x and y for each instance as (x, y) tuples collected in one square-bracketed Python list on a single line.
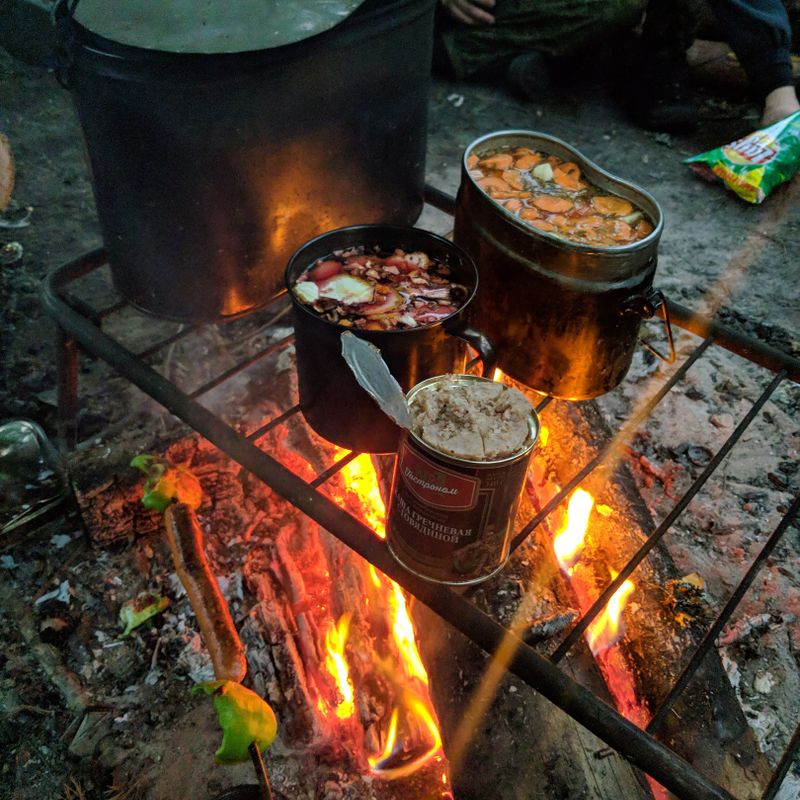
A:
[(79, 325)]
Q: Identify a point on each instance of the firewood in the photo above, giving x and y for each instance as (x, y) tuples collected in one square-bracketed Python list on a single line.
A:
[(6, 173), (504, 739), (657, 644)]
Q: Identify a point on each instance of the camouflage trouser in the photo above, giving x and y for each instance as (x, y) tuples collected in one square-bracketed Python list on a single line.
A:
[(758, 31), (553, 27)]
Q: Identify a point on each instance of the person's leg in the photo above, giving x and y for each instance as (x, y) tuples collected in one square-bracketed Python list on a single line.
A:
[(662, 100), (758, 31), (546, 28)]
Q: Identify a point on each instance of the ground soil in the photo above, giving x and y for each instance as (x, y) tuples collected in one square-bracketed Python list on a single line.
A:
[(717, 253)]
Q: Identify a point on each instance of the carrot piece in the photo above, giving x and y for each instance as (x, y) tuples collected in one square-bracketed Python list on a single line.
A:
[(492, 184), (643, 228), (568, 175), (499, 161), (527, 161), (558, 219), (513, 179), (513, 205), (542, 225), (497, 195), (472, 161), (554, 205), (590, 222), (613, 206), (529, 214), (524, 151)]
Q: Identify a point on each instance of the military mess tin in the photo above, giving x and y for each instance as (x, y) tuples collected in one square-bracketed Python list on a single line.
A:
[(563, 316), (450, 520)]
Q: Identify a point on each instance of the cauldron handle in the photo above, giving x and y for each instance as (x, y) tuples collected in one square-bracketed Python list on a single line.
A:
[(479, 341), (61, 15), (647, 306)]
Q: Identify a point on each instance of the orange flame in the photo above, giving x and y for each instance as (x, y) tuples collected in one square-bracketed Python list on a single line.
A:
[(403, 632), (419, 717), (412, 737), (569, 541), (335, 641), (609, 627), (359, 476)]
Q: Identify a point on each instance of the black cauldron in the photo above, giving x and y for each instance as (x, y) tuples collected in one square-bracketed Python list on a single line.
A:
[(218, 149)]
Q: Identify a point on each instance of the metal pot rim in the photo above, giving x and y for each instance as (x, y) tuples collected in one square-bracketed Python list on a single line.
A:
[(534, 427), (621, 187), (374, 228)]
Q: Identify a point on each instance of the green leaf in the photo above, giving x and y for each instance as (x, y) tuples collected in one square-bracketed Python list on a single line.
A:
[(140, 609), (244, 718), (166, 483)]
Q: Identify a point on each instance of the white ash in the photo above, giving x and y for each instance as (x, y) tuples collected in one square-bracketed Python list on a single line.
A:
[(727, 524), (473, 420)]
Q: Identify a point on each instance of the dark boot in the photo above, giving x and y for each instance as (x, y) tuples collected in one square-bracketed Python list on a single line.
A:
[(530, 75), (662, 100)]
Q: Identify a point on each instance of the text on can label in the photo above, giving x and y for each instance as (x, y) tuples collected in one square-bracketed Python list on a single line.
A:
[(436, 485)]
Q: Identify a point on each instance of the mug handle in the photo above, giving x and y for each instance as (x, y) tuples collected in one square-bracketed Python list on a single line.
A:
[(479, 341)]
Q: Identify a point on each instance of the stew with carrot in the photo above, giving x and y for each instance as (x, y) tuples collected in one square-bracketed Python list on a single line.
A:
[(372, 290), (552, 195)]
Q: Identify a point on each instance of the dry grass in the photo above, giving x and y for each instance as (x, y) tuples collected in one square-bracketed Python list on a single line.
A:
[(73, 790)]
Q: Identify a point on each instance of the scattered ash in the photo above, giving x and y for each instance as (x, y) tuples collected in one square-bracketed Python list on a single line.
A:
[(727, 523)]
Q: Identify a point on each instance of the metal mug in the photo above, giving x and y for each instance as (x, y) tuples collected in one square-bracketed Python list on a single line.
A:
[(331, 400)]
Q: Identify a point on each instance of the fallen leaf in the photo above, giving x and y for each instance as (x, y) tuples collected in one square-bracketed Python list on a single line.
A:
[(140, 609)]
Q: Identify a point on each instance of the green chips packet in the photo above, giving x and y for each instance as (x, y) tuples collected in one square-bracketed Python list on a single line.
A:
[(753, 166)]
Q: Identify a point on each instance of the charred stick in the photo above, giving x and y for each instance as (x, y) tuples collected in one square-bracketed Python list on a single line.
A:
[(47, 656), (261, 772), (185, 539)]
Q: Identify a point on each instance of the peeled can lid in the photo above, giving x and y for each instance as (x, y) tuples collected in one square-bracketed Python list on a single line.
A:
[(211, 26)]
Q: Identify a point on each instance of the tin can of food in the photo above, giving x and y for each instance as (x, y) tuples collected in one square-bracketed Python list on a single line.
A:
[(451, 516)]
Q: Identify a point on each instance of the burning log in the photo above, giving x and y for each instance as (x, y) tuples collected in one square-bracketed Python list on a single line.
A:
[(501, 737), (706, 726)]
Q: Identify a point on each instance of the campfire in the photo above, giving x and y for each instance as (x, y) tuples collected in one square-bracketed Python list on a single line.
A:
[(411, 739), (330, 635)]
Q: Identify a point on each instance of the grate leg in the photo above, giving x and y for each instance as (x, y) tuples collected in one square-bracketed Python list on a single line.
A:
[(67, 366)]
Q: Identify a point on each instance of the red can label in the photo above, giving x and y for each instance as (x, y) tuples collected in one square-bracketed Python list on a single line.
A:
[(435, 485), (451, 524)]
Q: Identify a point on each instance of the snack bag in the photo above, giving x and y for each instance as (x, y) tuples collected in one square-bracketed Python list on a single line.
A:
[(753, 166)]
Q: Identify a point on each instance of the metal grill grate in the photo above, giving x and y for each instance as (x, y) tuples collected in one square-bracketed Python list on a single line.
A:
[(80, 325)]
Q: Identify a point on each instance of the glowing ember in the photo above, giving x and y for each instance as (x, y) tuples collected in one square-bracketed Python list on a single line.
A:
[(335, 641), (568, 542), (609, 627)]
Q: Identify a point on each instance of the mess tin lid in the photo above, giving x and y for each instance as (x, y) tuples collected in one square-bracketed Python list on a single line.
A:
[(211, 26)]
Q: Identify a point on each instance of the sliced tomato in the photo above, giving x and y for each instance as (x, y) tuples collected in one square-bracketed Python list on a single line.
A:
[(323, 270), (427, 316), (383, 304)]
